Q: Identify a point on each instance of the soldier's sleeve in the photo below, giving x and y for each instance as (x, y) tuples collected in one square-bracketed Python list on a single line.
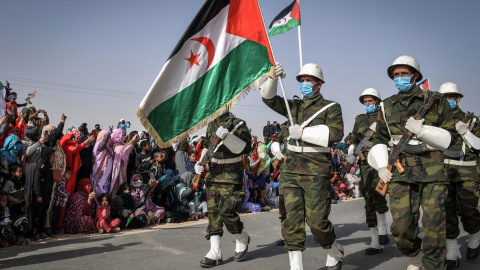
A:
[(354, 137), (381, 136), (278, 104), (206, 140), (334, 122), (244, 134), (446, 120), (476, 129)]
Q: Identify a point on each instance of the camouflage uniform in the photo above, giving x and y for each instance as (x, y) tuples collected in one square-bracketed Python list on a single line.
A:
[(282, 139), (306, 176), (464, 183), (424, 182), (224, 181), (374, 201)]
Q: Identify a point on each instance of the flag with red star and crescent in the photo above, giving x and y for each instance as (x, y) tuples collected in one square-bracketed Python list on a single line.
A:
[(287, 19), (223, 53)]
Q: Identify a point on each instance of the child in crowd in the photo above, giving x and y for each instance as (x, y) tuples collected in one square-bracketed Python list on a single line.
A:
[(158, 168), (144, 160), (190, 165), (12, 228), (59, 201), (15, 188), (104, 222), (153, 212)]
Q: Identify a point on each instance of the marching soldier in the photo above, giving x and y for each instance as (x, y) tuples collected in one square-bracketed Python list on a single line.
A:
[(424, 182), (306, 186), (461, 163), (224, 185), (375, 203)]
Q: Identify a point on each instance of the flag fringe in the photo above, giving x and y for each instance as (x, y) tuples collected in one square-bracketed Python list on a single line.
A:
[(226, 107)]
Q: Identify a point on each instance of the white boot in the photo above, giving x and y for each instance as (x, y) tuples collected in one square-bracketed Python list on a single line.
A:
[(474, 240), (241, 246), (335, 256), (453, 250), (242, 241), (296, 262), (215, 252), (382, 228), (415, 262)]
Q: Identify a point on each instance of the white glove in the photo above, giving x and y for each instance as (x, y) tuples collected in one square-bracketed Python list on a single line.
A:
[(279, 70), (462, 128), (222, 132), (414, 126), (295, 132), (385, 174), (351, 159), (199, 168)]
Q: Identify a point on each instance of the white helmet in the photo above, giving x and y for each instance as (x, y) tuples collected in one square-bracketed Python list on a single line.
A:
[(450, 88), (405, 60), (369, 92), (312, 70)]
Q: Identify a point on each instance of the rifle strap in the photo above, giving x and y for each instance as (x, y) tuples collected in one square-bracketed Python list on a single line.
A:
[(385, 118)]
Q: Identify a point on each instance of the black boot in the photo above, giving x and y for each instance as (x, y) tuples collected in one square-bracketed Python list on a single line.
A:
[(207, 263), (452, 264), (240, 255), (472, 253), (383, 239)]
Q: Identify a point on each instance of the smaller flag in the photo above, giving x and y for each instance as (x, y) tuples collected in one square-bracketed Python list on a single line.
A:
[(287, 19), (31, 96), (425, 85)]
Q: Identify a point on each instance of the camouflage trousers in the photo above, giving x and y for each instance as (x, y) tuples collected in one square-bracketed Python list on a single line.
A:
[(462, 200), (224, 202), (405, 202), (374, 201), (281, 201), (306, 197)]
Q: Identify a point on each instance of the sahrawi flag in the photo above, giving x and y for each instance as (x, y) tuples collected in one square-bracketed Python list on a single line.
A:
[(425, 85), (219, 57), (31, 96), (288, 18)]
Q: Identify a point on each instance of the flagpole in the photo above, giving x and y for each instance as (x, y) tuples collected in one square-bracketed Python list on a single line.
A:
[(279, 77), (300, 40)]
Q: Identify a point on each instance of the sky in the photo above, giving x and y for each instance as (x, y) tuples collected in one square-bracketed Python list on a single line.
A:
[(96, 60)]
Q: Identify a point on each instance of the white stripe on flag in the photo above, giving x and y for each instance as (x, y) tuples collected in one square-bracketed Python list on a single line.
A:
[(176, 74)]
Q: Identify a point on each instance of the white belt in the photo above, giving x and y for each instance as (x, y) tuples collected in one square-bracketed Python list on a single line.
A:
[(226, 160), (307, 149), (471, 163)]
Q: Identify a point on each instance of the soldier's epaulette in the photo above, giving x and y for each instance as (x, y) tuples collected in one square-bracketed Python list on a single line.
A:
[(295, 97), (358, 116)]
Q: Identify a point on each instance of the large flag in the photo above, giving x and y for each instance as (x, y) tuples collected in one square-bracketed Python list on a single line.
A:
[(223, 52), (288, 18), (425, 85)]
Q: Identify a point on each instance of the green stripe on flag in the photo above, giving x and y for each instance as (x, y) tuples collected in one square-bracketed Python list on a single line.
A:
[(277, 30), (242, 66)]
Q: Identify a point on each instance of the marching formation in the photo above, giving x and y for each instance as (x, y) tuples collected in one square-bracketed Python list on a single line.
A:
[(417, 145)]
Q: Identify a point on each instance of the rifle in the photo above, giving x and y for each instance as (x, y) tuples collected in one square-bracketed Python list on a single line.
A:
[(393, 158), (212, 149), (359, 148)]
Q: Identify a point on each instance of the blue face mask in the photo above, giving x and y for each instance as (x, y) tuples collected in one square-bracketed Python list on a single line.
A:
[(370, 108), (403, 83), (453, 103), (307, 89)]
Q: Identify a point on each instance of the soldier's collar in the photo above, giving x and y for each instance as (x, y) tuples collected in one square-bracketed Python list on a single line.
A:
[(417, 93)]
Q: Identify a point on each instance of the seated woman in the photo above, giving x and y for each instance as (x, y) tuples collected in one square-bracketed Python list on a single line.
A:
[(123, 207), (80, 214), (153, 212)]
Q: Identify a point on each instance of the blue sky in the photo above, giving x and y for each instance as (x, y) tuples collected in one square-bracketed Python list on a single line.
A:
[(95, 60)]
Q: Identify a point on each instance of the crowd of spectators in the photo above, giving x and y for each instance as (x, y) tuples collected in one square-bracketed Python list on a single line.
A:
[(56, 180)]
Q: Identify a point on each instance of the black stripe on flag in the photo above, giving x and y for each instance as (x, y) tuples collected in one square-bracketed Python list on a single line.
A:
[(283, 13), (207, 12)]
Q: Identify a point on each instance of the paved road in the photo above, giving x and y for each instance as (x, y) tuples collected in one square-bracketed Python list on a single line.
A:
[(183, 246)]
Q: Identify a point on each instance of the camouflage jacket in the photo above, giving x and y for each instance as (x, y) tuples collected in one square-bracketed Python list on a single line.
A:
[(397, 112), (360, 129), (310, 163), (470, 154), (227, 173)]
